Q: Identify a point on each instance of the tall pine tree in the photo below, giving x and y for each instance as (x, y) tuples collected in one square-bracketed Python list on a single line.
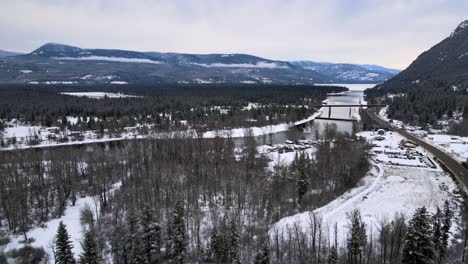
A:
[(332, 256), (234, 242), (150, 232), (177, 236), (263, 254), (419, 245), (357, 238), (90, 251), (63, 246), (445, 231)]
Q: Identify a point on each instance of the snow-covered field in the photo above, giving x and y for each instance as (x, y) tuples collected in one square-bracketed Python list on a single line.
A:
[(455, 146), (100, 95), (385, 191)]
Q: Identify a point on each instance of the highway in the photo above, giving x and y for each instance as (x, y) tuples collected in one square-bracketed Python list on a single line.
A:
[(455, 167)]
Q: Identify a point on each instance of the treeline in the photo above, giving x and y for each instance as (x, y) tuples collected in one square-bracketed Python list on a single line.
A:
[(166, 107), (218, 189), (425, 103)]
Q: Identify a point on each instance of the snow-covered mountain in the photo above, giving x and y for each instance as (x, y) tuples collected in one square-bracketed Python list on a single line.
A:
[(58, 63), (345, 72)]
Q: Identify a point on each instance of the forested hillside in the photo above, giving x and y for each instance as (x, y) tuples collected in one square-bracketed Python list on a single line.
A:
[(434, 86)]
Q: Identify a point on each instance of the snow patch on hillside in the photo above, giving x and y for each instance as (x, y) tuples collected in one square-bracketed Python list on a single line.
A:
[(261, 64), (100, 95), (113, 59)]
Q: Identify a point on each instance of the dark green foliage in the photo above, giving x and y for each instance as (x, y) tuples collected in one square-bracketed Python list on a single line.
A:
[(437, 220), (301, 166), (90, 253), (263, 254), (332, 256), (63, 246), (150, 232), (136, 251), (225, 242), (26, 254), (445, 231), (419, 245), (234, 247), (162, 105), (357, 238), (427, 103), (177, 236)]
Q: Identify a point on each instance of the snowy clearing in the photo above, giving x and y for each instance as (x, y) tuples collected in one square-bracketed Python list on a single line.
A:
[(100, 95)]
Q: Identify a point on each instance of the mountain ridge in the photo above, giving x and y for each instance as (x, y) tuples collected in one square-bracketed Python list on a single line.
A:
[(61, 63)]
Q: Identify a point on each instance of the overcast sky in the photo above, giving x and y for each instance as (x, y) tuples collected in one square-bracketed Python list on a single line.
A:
[(391, 33)]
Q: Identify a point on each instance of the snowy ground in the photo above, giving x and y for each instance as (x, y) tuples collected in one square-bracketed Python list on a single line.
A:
[(23, 131), (278, 158), (100, 95), (385, 191), (455, 146), (259, 131), (44, 236)]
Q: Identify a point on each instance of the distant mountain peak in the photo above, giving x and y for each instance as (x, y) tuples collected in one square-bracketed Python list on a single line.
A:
[(55, 48), (461, 28)]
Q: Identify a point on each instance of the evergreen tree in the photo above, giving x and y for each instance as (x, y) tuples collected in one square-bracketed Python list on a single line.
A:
[(419, 246), (63, 246), (234, 243), (332, 256), (437, 230), (137, 254), (214, 247), (90, 254), (177, 237), (445, 230), (357, 238), (151, 233), (300, 166), (263, 254), (219, 243)]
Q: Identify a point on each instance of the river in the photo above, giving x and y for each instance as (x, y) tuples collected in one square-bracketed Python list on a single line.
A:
[(315, 128)]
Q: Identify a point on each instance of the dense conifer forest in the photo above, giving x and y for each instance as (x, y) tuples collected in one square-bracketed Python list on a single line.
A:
[(427, 102), (165, 107)]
